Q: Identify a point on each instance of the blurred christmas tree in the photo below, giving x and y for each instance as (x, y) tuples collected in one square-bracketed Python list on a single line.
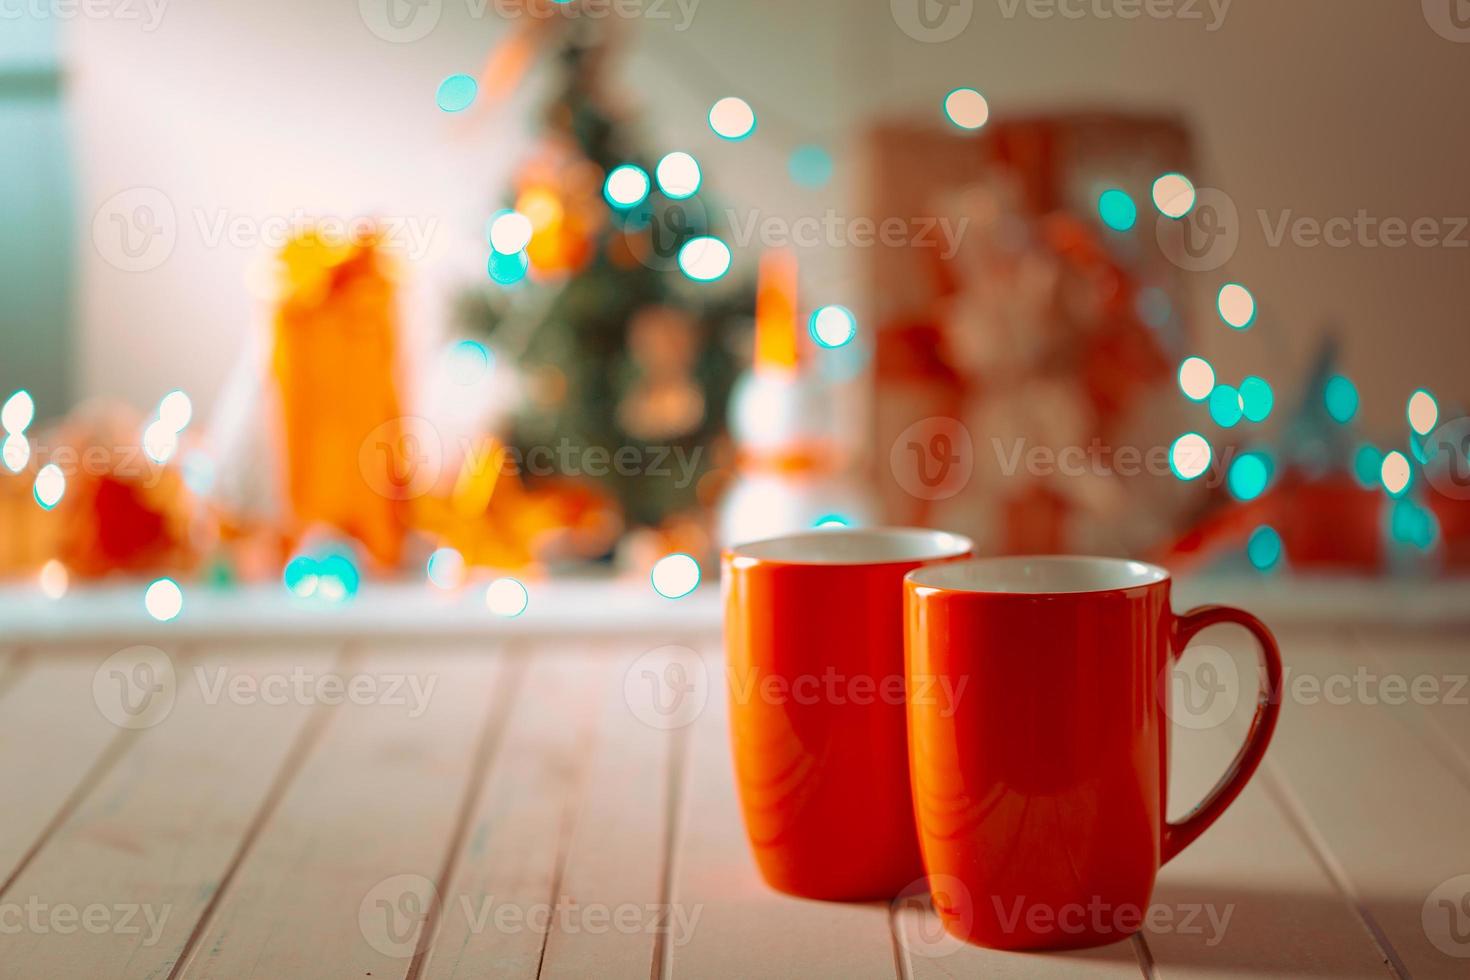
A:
[(623, 356)]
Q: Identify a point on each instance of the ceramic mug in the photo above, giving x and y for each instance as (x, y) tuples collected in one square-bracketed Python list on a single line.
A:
[(1041, 799), (814, 645)]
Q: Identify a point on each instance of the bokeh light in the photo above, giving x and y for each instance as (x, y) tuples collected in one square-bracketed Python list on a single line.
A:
[(50, 486), (457, 93), (175, 410), (1395, 473), (1248, 476), (810, 166), (1264, 548), (164, 600), (732, 118), (1190, 455), (1225, 406), (1196, 378), (833, 326), (675, 576), (704, 259), (508, 270), (446, 568), (1174, 195), (966, 108), (510, 231), (1117, 210), (1412, 524), (507, 597), (160, 441), (832, 520), (54, 579), (678, 175), (1367, 465), (469, 361), (1341, 398), (627, 186), (15, 452), (1423, 412), (18, 412), (1236, 305), (1257, 399)]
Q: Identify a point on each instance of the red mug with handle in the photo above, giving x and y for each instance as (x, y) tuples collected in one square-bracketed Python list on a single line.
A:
[(814, 644), (1041, 792)]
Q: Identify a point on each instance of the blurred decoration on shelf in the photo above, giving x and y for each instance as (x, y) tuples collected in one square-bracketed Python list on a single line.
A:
[(1047, 330), (349, 456), (121, 511), (615, 350), (1327, 500), (789, 473)]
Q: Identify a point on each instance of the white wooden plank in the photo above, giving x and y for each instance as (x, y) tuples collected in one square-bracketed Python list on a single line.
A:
[(52, 736), (1431, 668), (744, 928), (501, 900), (338, 880), (927, 952), (618, 852), (1249, 898), (156, 835), (1388, 812)]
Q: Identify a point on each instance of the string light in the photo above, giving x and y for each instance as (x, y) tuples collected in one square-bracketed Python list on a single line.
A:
[(15, 451), (732, 119), (457, 93), (675, 576), (1264, 547), (1395, 473), (1341, 399), (1174, 195), (966, 108), (1256, 399), (678, 175), (510, 232), (175, 410), (1248, 476), (1226, 406), (1236, 305), (833, 326)]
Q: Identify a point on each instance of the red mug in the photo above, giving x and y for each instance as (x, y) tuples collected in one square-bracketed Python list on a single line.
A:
[(1041, 795), (814, 643)]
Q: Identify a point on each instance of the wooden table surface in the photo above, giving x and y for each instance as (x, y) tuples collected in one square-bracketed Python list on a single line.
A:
[(564, 808)]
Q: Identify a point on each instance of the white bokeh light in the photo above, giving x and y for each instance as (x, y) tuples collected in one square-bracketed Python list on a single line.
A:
[(18, 413), (833, 326), (175, 410), (164, 600), (966, 108), (50, 486), (678, 175), (53, 579), (510, 233), (732, 118), (15, 451), (1423, 412), (1196, 378), (675, 576), (1174, 195), (627, 186), (1395, 472), (507, 597), (1237, 306), (704, 259), (1190, 455), (160, 441)]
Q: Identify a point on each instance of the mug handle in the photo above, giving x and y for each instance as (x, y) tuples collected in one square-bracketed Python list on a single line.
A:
[(1178, 836)]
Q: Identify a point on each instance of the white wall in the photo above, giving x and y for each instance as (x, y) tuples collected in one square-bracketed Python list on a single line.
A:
[(257, 109)]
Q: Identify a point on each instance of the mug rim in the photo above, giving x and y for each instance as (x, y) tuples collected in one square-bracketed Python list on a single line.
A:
[(1145, 576), (943, 545)]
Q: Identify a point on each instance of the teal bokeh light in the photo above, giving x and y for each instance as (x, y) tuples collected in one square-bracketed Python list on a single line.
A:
[(1367, 462), (811, 166), (457, 93), (1225, 406), (1264, 548), (1257, 398), (1117, 210), (508, 269), (1248, 476), (1341, 398)]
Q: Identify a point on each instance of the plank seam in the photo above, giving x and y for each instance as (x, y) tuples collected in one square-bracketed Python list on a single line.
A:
[(302, 747), (661, 966), (498, 710)]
